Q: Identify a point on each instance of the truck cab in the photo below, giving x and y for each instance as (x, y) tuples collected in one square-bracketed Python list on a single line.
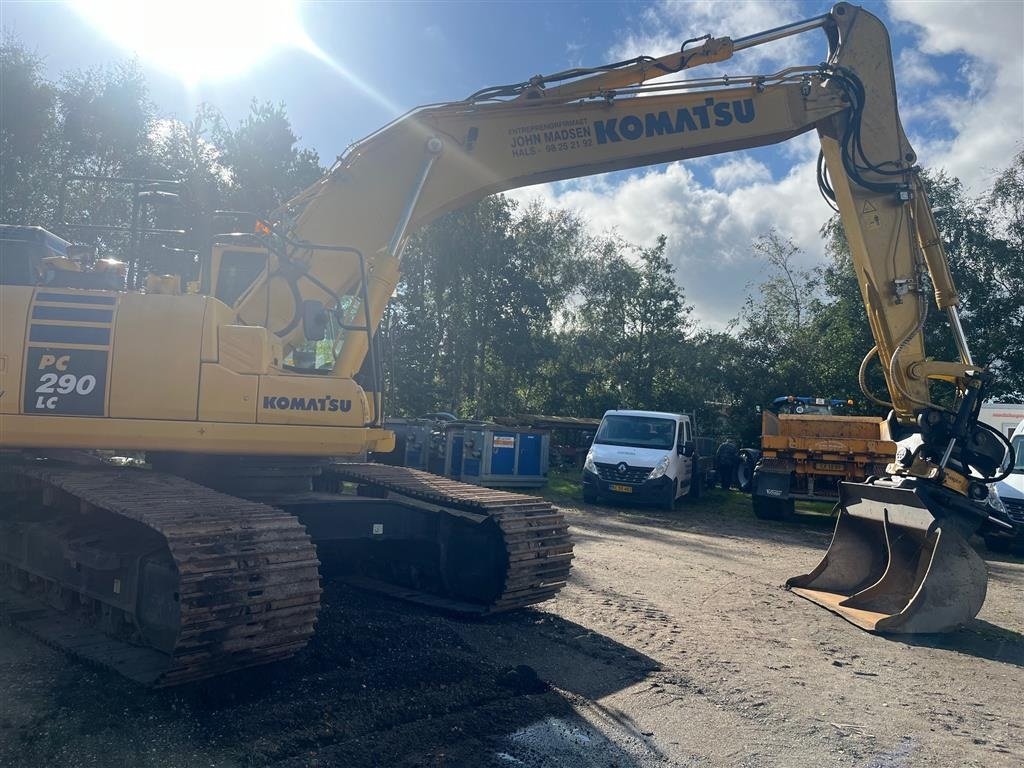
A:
[(641, 456)]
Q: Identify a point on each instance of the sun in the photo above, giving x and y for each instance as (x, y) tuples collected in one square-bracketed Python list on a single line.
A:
[(208, 41)]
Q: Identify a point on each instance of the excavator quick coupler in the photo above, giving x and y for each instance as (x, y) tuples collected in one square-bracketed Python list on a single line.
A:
[(900, 560)]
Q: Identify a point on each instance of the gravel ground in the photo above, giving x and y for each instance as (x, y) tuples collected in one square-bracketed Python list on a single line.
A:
[(674, 644)]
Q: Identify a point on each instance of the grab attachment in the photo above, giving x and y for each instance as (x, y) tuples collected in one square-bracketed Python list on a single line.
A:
[(899, 560)]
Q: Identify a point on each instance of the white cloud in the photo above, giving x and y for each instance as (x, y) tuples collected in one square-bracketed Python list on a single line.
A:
[(709, 229), (989, 121), (915, 69), (738, 171)]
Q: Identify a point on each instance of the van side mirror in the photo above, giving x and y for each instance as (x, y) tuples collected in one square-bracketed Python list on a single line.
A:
[(314, 320), (687, 449)]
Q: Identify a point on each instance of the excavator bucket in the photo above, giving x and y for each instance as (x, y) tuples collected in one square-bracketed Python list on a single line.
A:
[(900, 561)]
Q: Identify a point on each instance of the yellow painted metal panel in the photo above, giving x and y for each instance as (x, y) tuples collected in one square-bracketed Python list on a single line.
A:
[(812, 425), (327, 400), (244, 348), (217, 313), (193, 436), (15, 300), (227, 396), (157, 345)]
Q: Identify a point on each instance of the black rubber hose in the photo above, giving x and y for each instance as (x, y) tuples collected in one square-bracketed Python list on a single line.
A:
[(1011, 454)]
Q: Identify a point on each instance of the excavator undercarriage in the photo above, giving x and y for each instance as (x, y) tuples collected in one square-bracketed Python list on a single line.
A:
[(168, 581)]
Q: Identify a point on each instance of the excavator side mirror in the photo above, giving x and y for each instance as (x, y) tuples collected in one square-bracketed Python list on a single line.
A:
[(314, 320)]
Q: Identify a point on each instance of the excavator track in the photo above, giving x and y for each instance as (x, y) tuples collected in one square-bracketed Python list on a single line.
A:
[(231, 583), (534, 534)]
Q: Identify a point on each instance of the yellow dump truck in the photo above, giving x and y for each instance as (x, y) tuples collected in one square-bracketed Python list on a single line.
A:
[(808, 451)]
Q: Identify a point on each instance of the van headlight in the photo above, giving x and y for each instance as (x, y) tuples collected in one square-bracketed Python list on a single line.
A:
[(659, 470), (588, 463), (994, 501)]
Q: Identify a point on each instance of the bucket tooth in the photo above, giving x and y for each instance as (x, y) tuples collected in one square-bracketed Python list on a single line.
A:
[(899, 561)]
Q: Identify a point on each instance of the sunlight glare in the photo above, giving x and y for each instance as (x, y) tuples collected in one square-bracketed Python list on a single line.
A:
[(198, 41)]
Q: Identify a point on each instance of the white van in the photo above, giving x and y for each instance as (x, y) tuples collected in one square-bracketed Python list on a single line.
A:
[(645, 456), (1011, 493)]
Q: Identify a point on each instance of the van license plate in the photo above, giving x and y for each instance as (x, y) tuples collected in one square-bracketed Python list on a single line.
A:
[(621, 488)]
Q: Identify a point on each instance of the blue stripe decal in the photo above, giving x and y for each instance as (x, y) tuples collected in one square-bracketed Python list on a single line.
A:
[(81, 314), (76, 298), (69, 334)]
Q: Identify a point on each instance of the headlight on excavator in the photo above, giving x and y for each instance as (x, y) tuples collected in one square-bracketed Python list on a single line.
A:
[(660, 469)]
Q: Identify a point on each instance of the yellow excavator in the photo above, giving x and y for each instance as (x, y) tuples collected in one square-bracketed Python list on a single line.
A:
[(253, 389)]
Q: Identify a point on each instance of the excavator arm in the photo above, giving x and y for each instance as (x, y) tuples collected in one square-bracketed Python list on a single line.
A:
[(899, 560), (439, 158)]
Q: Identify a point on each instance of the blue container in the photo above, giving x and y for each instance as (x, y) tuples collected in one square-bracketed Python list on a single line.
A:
[(412, 443), (504, 457), (453, 458)]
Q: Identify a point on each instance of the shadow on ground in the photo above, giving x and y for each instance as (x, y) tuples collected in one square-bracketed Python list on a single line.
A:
[(810, 530), (382, 683), (979, 638)]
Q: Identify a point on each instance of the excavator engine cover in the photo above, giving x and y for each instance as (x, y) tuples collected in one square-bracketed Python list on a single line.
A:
[(900, 561)]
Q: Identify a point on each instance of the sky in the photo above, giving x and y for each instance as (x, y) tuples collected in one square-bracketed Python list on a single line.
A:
[(346, 68)]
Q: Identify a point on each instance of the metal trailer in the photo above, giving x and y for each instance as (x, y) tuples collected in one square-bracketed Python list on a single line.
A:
[(505, 457), (412, 443)]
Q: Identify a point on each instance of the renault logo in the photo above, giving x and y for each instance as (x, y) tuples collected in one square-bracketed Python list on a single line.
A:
[(621, 467)]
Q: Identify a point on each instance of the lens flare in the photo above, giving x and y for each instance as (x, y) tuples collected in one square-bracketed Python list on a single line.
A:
[(197, 41)]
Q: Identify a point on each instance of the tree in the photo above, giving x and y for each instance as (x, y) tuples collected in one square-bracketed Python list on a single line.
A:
[(997, 301), (471, 321), (261, 157), (777, 325), (27, 116), (619, 344)]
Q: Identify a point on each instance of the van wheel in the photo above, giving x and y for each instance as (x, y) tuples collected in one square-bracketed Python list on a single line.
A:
[(589, 497), (773, 509), (668, 502)]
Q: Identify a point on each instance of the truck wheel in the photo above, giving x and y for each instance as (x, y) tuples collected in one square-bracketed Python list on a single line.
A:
[(772, 509), (589, 497)]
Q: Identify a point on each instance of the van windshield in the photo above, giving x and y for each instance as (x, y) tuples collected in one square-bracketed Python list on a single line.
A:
[(1018, 448), (636, 432)]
